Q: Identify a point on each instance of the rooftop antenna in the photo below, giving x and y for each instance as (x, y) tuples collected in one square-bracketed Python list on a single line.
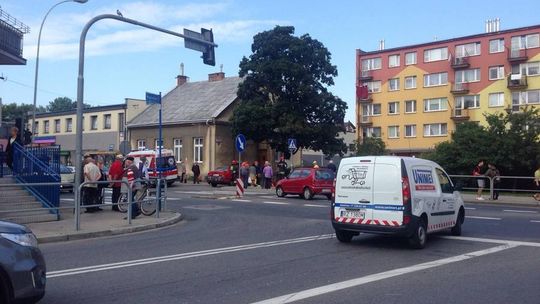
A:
[(221, 68)]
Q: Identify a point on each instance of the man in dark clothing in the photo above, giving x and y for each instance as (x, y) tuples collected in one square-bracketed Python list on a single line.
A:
[(9, 149), (282, 168), (115, 173), (331, 166), (131, 172), (196, 172)]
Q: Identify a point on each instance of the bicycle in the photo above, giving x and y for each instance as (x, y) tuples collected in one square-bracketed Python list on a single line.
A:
[(146, 203)]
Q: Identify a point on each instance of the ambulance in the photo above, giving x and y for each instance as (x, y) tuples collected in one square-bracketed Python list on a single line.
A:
[(393, 195), (167, 164)]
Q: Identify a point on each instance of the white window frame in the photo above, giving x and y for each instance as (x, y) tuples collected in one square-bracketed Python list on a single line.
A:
[(439, 129), (499, 69), (465, 74), (374, 86), (177, 149), (499, 97), (442, 104), (524, 98), (460, 102), (468, 50), (410, 82), (368, 109), (393, 84), (107, 121), (525, 68), (523, 42), (69, 125), (198, 149), (411, 58), (438, 76), (46, 127), (371, 64), (413, 102), (57, 126), (393, 131), (36, 128), (500, 45), (141, 144), (395, 104), (394, 61), (370, 131), (436, 54), (93, 122), (410, 129)]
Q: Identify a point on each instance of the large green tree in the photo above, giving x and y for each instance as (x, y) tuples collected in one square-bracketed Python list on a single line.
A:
[(11, 111), (285, 93), (63, 104)]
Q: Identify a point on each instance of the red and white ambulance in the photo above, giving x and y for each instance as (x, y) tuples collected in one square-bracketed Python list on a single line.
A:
[(166, 164)]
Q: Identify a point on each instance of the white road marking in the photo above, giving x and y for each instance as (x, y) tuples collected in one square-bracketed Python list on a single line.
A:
[(493, 241), (182, 256), (533, 221), (174, 199), (241, 200), (470, 208), (520, 211), (312, 205), (275, 203), (484, 218), (67, 199), (309, 293)]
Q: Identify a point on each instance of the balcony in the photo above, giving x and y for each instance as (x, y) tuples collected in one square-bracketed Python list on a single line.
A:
[(365, 99), (460, 63), (365, 76), (366, 120), (460, 88), (460, 115), (517, 55), (11, 39), (517, 82)]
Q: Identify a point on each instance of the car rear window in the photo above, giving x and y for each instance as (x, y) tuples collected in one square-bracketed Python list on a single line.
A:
[(324, 174)]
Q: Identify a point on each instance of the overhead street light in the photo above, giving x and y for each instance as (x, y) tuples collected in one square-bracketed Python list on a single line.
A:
[(33, 127)]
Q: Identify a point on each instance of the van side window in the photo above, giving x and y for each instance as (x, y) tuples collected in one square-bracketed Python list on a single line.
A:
[(444, 181)]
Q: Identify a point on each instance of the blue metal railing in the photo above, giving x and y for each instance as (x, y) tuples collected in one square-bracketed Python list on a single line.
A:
[(39, 165)]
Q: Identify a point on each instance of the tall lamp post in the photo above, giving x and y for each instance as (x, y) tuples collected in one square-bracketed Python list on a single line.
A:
[(33, 127)]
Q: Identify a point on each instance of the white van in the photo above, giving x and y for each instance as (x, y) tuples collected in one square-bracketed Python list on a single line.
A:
[(403, 196)]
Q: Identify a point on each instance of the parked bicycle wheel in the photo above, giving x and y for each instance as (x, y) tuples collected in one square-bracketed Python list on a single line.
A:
[(123, 203), (148, 204)]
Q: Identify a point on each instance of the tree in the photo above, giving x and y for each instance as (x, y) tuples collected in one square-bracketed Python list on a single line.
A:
[(63, 104), (370, 146), (285, 93), (11, 111)]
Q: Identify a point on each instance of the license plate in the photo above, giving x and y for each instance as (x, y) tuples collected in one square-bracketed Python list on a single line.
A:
[(326, 191), (353, 213)]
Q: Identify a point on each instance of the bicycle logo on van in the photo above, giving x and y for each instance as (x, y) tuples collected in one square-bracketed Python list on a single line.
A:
[(356, 176)]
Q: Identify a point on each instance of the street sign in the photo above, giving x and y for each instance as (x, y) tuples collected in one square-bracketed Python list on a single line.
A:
[(240, 142), (291, 144), (191, 44), (152, 98), (202, 42)]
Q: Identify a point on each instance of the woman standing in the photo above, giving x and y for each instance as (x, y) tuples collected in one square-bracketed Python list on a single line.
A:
[(267, 173)]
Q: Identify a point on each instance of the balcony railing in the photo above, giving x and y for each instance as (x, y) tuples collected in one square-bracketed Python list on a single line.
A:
[(366, 120), (460, 88), (365, 75), (517, 55), (460, 63), (460, 115), (517, 81)]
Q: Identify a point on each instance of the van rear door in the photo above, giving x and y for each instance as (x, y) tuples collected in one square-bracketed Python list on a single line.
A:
[(354, 191), (387, 192)]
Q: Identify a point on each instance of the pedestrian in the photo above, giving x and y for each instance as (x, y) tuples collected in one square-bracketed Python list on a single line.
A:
[(332, 166), (259, 173), (267, 174), (244, 173), (196, 172), (101, 186), (115, 174), (494, 174), (143, 168), (479, 180), (234, 169), (183, 178), (132, 175), (91, 174), (537, 183), (253, 175), (282, 168), (14, 138), (315, 165)]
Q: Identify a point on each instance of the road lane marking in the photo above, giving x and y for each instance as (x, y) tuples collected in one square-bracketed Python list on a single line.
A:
[(241, 200), (67, 199), (312, 205), (275, 203), (483, 218), (309, 293), (533, 221), (520, 211), (182, 256), (470, 208), (493, 241)]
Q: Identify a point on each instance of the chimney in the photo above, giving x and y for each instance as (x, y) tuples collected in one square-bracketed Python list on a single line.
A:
[(181, 79), (216, 76), (381, 45)]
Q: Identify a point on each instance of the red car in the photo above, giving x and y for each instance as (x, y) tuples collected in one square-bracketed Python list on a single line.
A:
[(307, 182), (222, 175)]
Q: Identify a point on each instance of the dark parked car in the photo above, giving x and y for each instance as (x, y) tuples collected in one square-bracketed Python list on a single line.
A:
[(22, 267), (307, 182)]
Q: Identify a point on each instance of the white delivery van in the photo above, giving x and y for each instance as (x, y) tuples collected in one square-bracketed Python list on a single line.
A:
[(403, 196)]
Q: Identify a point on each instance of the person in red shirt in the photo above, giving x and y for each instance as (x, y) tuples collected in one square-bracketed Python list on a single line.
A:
[(115, 173)]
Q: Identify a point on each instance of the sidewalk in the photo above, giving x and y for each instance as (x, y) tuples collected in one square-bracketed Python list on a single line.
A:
[(503, 199), (98, 224)]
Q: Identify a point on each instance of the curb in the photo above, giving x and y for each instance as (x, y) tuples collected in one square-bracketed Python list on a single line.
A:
[(501, 203), (124, 230)]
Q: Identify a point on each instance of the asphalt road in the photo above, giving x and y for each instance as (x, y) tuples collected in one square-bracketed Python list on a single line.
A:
[(263, 248)]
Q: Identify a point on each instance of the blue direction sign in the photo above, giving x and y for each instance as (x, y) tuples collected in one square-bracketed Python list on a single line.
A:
[(240, 142), (152, 98), (291, 144)]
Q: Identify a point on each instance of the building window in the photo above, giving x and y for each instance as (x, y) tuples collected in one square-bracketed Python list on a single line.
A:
[(57, 126), (410, 82), (93, 122), (393, 107), (177, 148), (121, 122), (46, 127), (69, 124), (496, 99), (371, 64), (469, 49), (496, 72), (525, 42), (198, 149), (141, 144), (530, 68), (436, 54), (468, 102), (36, 128), (157, 145), (393, 61), (438, 129), (393, 132), (436, 79), (410, 106), (471, 75), (435, 104), (410, 58), (496, 46), (393, 84), (371, 109), (410, 130), (83, 123), (373, 86), (525, 98), (373, 132), (107, 121)]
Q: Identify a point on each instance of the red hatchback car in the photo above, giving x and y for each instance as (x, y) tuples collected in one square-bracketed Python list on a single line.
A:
[(307, 182)]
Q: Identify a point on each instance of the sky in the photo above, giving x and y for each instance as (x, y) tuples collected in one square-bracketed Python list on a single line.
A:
[(125, 61)]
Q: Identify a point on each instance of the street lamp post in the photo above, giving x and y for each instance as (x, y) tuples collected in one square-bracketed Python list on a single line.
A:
[(33, 127)]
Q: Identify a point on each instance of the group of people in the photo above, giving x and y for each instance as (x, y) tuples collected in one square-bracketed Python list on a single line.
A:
[(253, 175), (492, 172)]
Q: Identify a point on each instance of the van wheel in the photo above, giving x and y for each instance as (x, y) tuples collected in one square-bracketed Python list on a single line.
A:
[(307, 194), (279, 192), (456, 230), (5, 290), (419, 237), (344, 236)]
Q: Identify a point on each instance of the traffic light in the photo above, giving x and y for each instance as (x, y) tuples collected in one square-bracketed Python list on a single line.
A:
[(209, 57)]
